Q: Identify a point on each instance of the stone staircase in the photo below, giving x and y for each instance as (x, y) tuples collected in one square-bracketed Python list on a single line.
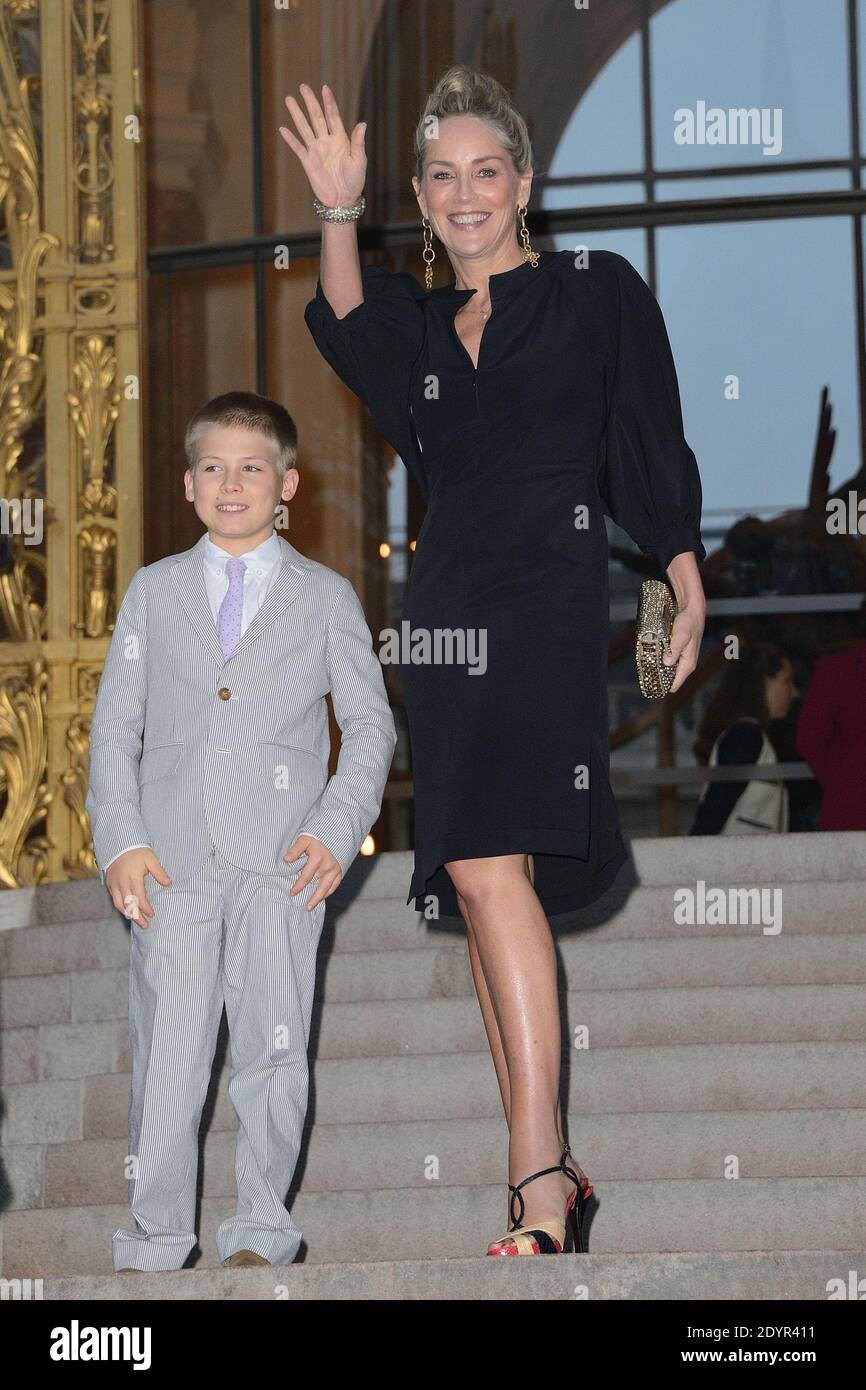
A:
[(708, 1045)]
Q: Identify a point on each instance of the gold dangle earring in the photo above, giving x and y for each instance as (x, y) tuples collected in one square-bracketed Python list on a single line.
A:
[(528, 253), (428, 260)]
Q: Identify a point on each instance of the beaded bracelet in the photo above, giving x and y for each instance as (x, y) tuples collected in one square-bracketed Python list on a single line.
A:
[(338, 214)]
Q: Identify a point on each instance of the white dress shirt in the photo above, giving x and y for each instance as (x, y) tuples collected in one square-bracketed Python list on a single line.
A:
[(262, 564)]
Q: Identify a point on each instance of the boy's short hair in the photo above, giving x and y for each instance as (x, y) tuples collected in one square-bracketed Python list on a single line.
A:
[(251, 412)]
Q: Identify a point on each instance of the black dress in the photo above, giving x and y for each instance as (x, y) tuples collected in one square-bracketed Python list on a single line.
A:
[(573, 411)]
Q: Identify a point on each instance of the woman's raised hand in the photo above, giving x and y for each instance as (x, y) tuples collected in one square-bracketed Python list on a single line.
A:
[(335, 165)]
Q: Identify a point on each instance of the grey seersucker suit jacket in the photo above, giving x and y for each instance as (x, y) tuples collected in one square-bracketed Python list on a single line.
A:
[(235, 753)]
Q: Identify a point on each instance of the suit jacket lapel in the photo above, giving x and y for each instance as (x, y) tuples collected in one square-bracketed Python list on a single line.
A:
[(286, 586), (188, 575)]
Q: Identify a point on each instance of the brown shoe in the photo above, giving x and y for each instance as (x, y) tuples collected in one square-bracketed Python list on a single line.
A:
[(247, 1257)]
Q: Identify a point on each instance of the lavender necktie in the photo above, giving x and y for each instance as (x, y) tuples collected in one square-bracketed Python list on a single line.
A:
[(232, 608)]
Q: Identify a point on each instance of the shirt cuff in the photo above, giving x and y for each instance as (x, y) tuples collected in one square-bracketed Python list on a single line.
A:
[(125, 851)]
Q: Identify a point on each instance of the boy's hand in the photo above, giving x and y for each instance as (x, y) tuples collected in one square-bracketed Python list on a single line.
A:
[(320, 864), (125, 881)]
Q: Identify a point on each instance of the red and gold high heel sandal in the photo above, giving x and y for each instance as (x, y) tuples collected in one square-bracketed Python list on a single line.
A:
[(547, 1237)]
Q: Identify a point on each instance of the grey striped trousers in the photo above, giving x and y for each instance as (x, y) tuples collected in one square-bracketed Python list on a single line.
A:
[(219, 935)]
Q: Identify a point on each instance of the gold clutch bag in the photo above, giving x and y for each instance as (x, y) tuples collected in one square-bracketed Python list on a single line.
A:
[(657, 609)]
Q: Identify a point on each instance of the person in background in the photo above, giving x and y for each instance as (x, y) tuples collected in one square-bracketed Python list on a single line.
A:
[(831, 734), (758, 687)]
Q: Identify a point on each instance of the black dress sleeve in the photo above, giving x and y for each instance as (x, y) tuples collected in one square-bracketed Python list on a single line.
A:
[(740, 743), (373, 349), (648, 475)]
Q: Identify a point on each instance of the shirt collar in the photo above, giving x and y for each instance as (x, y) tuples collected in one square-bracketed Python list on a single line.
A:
[(502, 285), (268, 552)]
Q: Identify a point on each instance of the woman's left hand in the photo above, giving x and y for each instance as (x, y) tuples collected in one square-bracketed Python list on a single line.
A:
[(686, 634), (688, 627)]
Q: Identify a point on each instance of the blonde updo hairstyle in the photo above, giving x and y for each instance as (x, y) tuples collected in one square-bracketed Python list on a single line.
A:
[(462, 91)]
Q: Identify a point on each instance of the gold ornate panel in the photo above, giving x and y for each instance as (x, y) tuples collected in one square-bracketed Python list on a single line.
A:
[(71, 267)]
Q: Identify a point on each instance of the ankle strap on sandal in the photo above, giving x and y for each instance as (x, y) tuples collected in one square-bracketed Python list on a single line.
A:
[(516, 1192)]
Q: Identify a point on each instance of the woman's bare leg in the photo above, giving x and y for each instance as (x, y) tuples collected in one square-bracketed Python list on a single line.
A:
[(487, 1011), (514, 969), (492, 1028)]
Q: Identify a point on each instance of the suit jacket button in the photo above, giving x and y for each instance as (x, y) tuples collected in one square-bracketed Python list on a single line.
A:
[(225, 694)]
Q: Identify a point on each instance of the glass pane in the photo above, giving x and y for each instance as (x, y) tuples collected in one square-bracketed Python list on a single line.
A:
[(604, 133), (751, 54), (630, 242), (322, 42), (198, 119), (755, 185), (381, 61), (201, 334), (592, 195), (771, 304), (861, 70)]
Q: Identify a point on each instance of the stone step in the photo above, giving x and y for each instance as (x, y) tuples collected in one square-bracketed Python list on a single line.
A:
[(767, 1214), (645, 911), (380, 924), (596, 964), (683, 859), (781, 1275), (590, 962), (699, 1054), (376, 1028), (451, 1085), (675, 860), (653, 1145)]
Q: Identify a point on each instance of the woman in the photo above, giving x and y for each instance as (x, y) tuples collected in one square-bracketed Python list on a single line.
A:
[(757, 687), (498, 393)]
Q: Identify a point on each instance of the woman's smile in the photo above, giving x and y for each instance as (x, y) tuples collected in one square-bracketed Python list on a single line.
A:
[(468, 219)]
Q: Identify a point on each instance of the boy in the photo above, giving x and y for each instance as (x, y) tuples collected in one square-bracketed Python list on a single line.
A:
[(220, 662)]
